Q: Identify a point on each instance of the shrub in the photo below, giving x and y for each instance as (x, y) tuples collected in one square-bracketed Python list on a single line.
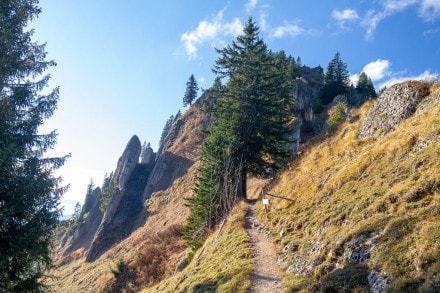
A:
[(337, 114)]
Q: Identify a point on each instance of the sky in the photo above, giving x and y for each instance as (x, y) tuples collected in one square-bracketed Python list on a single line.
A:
[(122, 66)]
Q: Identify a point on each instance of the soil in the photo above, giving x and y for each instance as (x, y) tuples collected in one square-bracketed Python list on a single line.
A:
[(267, 274)]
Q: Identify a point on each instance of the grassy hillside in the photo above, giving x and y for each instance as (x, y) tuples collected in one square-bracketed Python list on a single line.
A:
[(152, 252), (364, 208), (223, 264), (366, 211)]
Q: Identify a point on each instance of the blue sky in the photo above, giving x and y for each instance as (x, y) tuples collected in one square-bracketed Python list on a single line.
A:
[(123, 65)]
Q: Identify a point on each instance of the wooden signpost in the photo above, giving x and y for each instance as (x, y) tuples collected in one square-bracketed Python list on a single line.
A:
[(266, 200)]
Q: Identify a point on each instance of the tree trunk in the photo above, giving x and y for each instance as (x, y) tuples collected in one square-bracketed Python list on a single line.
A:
[(243, 190)]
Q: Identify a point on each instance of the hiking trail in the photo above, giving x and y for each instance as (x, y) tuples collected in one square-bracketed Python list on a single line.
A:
[(267, 274)]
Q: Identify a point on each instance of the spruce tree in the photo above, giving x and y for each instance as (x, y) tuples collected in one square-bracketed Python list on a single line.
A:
[(29, 191), (191, 91), (249, 130), (365, 87), (336, 80), (257, 102), (166, 129), (108, 189)]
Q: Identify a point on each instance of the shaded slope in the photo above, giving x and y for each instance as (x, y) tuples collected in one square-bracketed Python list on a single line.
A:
[(125, 217), (223, 264), (162, 213)]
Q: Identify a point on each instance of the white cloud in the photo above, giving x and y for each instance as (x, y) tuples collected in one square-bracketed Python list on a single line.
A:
[(394, 6), (380, 73), (250, 5), (428, 10), (210, 30), (377, 70), (289, 29), (371, 22), (342, 16), (263, 22), (427, 75)]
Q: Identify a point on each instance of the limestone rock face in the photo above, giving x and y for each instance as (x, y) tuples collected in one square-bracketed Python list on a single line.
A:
[(126, 204), (88, 223), (394, 105), (307, 88), (148, 157), (127, 162)]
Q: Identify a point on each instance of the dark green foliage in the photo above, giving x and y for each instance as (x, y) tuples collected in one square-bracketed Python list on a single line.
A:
[(337, 115), (365, 87), (191, 91), (249, 130), (119, 269), (166, 129), (213, 94), (29, 192), (336, 80), (296, 67), (108, 189)]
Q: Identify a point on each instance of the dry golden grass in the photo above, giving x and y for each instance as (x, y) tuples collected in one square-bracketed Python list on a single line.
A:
[(157, 240), (222, 265), (345, 187)]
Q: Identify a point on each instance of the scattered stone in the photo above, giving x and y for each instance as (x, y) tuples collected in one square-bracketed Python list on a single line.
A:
[(358, 250), (378, 284)]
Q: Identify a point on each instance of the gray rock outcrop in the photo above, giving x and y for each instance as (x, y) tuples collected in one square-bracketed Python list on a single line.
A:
[(394, 105), (127, 162), (148, 156), (88, 223), (126, 205)]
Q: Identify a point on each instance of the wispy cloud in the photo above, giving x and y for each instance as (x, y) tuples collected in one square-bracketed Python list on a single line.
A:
[(213, 30), (292, 30), (380, 73), (428, 10), (343, 16), (250, 6), (426, 75)]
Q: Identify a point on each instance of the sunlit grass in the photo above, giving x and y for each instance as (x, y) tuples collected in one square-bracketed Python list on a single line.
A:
[(345, 187)]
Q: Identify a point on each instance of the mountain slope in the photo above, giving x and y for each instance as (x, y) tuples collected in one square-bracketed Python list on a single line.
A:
[(152, 251), (365, 216), (366, 211)]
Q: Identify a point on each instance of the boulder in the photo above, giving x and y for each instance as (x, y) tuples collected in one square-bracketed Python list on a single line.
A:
[(393, 106)]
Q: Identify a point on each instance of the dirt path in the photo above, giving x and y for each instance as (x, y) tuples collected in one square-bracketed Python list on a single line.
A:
[(267, 275)]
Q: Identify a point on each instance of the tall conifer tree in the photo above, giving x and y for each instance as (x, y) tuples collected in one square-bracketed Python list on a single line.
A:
[(191, 91), (29, 191), (249, 128), (365, 87), (336, 79)]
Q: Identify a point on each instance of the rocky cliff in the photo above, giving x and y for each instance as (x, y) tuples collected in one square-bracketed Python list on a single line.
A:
[(147, 205), (87, 225), (126, 205)]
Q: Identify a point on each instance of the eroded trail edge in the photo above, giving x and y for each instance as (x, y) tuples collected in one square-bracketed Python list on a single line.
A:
[(267, 274)]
